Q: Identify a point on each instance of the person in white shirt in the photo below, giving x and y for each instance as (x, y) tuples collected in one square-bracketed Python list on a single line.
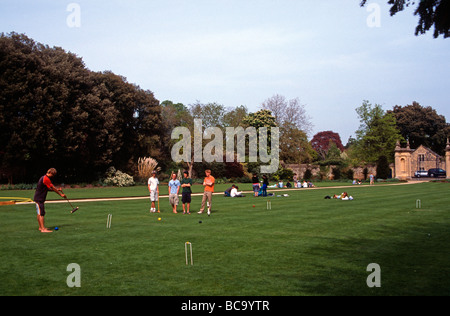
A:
[(153, 188), (234, 192)]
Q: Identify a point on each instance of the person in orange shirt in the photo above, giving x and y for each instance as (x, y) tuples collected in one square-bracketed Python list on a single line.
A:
[(208, 183)]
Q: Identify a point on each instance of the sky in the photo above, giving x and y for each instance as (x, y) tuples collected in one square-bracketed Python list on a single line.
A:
[(331, 54)]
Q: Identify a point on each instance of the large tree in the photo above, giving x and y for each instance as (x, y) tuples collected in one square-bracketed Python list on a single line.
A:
[(56, 112), (294, 146), (422, 126), (235, 116), (431, 13), (377, 134), (322, 141), (288, 112), (295, 124), (211, 114)]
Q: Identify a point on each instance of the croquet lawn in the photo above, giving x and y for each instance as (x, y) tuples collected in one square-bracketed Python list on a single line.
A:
[(305, 245)]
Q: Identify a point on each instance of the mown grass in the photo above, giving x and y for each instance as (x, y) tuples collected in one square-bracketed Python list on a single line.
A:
[(305, 245)]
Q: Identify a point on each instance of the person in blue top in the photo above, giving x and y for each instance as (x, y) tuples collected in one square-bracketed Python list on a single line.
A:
[(174, 188)]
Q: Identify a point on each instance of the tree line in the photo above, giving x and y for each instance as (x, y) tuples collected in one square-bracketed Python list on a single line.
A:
[(56, 112)]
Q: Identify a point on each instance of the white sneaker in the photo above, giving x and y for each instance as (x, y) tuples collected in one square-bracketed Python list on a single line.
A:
[(209, 212)]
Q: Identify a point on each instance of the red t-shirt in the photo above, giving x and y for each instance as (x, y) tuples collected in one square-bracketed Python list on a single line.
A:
[(42, 188)]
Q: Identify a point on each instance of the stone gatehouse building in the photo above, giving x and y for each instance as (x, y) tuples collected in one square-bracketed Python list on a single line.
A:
[(408, 161)]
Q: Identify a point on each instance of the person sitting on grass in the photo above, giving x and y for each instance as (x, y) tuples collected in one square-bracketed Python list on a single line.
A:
[(234, 192), (227, 192)]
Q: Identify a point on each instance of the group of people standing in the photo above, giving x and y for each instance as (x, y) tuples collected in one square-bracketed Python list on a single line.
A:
[(185, 185)]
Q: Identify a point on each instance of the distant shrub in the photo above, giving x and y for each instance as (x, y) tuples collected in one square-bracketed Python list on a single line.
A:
[(350, 174), (336, 173), (118, 178), (308, 174)]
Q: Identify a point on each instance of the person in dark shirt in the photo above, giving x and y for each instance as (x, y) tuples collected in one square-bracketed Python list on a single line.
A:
[(186, 184), (44, 185), (265, 185)]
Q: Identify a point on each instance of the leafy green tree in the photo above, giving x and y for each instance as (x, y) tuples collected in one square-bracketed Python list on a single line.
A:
[(56, 112), (211, 114), (234, 117), (262, 118), (377, 135), (422, 126), (294, 146), (334, 152)]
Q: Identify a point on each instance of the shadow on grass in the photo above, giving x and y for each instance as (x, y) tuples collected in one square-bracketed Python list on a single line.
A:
[(412, 263)]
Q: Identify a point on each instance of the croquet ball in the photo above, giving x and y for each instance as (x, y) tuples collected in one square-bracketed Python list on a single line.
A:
[(254, 206), (56, 228), (200, 222), (159, 219)]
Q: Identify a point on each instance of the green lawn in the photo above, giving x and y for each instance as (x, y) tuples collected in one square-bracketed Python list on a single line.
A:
[(305, 245), (138, 191)]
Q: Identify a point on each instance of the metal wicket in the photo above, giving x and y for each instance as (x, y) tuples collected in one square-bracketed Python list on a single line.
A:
[(108, 221), (269, 205), (186, 252), (418, 204)]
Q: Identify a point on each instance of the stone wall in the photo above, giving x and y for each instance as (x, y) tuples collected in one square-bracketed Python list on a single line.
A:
[(315, 170)]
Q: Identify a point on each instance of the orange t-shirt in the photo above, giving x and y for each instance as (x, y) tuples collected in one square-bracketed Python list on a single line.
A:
[(208, 181)]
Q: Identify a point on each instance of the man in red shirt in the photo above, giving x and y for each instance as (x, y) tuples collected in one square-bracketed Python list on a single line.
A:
[(44, 185)]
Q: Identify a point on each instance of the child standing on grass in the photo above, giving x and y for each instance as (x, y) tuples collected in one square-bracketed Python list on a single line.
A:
[(153, 188)]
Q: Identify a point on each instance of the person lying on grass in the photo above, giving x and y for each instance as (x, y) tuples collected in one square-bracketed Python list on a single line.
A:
[(344, 197)]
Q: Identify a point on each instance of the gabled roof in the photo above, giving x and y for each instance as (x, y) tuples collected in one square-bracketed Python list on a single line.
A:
[(427, 149)]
